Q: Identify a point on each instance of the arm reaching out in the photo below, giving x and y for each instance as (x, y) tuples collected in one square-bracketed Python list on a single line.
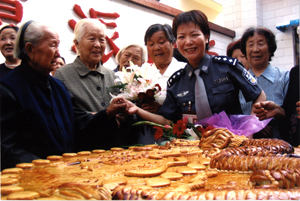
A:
[(261, 97), (133, 109)]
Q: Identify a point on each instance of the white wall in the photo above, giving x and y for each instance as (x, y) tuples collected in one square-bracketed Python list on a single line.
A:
[(241, 14), (131, 25), (278, 12)]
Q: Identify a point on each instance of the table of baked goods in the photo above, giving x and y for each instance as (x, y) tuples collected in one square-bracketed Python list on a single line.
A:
[(220, 166)]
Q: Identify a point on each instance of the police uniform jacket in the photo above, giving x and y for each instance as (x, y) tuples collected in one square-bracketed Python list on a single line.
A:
[(223, 78)]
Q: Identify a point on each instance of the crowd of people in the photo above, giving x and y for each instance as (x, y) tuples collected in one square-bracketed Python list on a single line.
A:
[(50, 107)]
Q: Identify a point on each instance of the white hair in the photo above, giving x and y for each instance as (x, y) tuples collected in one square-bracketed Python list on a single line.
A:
[(143, 50), (80, 28), (34, 33)]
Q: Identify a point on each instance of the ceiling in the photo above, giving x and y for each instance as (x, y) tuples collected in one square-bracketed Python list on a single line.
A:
[(212, 4)]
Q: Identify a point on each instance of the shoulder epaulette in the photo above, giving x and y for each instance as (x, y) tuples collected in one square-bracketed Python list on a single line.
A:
[(226, 60), (173, 78)]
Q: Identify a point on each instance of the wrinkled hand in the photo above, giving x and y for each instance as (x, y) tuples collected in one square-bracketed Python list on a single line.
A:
[(265, 109), (298, 109), (118, 105), (151, 107)]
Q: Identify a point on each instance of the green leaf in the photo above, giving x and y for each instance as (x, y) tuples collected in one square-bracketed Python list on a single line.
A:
[(119, 86), (148, 123)]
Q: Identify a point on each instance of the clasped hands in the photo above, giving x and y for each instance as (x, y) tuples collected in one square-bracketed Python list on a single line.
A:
[(267, 109), (120, 106)]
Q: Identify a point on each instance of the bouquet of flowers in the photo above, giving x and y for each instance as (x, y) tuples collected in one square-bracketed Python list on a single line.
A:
[(138, 84), (182, 129)]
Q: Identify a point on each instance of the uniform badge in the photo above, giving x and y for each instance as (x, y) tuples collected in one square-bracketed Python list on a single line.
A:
[(223, 79), (204, 68), (183, 93), (249, 77)]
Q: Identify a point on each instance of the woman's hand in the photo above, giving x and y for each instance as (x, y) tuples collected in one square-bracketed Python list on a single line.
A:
[(117, 105), (267, 109), (131, 108)]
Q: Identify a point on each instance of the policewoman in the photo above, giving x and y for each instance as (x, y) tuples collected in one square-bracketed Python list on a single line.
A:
[(207, 84)]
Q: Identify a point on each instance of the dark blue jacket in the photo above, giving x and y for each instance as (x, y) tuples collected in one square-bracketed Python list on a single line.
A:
[(37, 117)]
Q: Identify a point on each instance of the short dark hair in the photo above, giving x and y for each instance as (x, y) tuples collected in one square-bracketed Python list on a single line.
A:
[(269, 35), (234, 45), (195, 16), (10, 26), (160, 27)]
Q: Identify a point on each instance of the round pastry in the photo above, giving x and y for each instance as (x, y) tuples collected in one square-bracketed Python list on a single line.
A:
[(23, 195), (174, 171), (38, 162), (25, 165), (6, 190), (158, 182), (54, 158), (69, 155), (172, 175)]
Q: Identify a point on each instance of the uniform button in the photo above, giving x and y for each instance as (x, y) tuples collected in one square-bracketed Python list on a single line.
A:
[(98, 88), (183, 104), (60, 130), (103, 104)]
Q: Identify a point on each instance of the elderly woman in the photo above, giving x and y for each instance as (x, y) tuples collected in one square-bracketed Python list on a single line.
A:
[(60, 61), (90, 83), (259, 45), (134, 53), (37, 116), (222, 77), (234, 51), (86, 78), (8, 35), (160, 42)]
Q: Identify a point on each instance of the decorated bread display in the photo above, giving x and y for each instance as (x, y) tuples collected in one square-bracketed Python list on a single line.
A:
[(219, 166)]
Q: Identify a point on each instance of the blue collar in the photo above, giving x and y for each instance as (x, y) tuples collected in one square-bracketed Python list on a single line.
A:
[(269, 73)]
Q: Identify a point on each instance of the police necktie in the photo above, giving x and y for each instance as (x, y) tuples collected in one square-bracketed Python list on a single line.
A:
[(202, 106)]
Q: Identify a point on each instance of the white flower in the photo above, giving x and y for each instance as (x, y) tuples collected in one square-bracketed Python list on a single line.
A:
[(137, 80)]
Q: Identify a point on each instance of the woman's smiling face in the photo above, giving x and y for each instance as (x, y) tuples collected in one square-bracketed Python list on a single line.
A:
[(7, 42), (191, 42), (257, 50), (160, 49)]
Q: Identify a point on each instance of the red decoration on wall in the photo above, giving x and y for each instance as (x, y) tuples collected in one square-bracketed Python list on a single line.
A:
[(95, 14), (72, 24), (211, 44), (14, 10), (77, 9)]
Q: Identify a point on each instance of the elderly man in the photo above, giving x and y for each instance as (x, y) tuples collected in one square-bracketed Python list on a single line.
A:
[(37, 116), (134, 53)]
